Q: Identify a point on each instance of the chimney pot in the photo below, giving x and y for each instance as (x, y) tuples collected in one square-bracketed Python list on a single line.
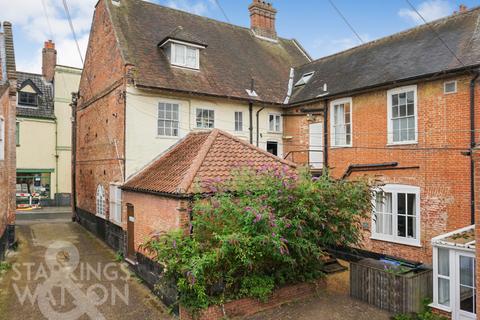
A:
[(462, 8), (262, 19)]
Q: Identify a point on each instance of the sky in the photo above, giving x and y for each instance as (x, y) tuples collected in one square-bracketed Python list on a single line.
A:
[(314, 23)]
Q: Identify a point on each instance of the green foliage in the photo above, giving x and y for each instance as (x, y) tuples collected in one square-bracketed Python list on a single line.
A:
[(260, 230), (425, 314), (4, 266), (119, 256)]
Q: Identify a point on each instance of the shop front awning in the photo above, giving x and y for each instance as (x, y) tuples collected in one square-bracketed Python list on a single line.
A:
[(35, 170), (463, 238)]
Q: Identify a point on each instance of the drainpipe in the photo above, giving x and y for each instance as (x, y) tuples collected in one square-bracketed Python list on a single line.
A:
[(56, 155), (250, 117), (325, 135), (472, 146), (258, 123), (75, 96)]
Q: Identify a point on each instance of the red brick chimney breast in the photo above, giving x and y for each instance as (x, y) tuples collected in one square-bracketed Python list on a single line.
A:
[(49, 60), (262, 19)]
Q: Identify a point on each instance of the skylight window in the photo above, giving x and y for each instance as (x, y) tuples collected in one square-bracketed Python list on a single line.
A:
[(304, 79)]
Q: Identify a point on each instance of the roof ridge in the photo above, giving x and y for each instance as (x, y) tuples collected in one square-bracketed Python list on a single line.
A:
[(205, 18), (251, 146), (197, 162), (394, 35)]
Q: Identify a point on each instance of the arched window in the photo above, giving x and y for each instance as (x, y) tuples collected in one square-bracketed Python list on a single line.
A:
[(100, 201)]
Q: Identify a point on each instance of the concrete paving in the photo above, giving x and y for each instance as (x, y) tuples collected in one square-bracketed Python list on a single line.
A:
[(77, 278)]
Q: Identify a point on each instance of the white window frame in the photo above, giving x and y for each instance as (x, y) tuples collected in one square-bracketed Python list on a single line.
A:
[(277, 117), (390, 114), (208, 119), (305, 78), (173, 52), (333, 104), (395, 189), (115, 204), (451, 278), (2, 138), (238, 123), (165, 119), (100, 201), (445, 86)]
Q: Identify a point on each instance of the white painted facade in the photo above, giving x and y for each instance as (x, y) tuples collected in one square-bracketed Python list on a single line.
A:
[(143, 143)]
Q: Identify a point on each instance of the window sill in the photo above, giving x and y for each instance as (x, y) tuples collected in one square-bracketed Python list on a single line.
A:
[(403, 143), (116, 223), (275, 132), (100, 216), (440, 307), (185, 68), (167, 137), (415, 243), (341, 147)]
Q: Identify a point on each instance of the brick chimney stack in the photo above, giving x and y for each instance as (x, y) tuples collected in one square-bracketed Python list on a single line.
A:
[(49, 60), (262, 19)]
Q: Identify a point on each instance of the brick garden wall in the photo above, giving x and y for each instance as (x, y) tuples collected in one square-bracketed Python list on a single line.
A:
[(443, 174)]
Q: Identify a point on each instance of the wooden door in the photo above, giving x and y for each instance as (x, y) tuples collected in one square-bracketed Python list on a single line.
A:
[(130, 232)]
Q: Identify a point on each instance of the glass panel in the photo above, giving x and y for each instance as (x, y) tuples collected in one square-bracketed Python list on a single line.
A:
[(402, 98), (179, 57), (410, 97), (379, 222), (401, 226), (395, 100), (466, 271), (444, 292), (401, 203), (443, 262), (411, 201), (388, 224), (410, 109), (395, 112), (467, 299), (403, 110), (192, 57), (410, 227), (271, 122), (388, 202)]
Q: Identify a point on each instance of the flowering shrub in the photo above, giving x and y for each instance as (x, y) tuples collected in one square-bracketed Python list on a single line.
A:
[(259, 230)]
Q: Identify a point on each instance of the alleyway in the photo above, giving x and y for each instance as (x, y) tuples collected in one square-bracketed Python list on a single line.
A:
[(99, 288)]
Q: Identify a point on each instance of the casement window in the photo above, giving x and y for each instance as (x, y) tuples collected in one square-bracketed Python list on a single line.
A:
[(168, 119), (442, 275), (100, 201), (238, 121), (185, 56), (402, 115), (275, 123), (2, 138), (27, 99), (205, 118), (450, 87), (272, 147), (115, 204), (341, 122), (396, 214)]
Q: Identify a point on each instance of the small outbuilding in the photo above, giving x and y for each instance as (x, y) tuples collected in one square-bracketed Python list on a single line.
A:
[(157, 198)]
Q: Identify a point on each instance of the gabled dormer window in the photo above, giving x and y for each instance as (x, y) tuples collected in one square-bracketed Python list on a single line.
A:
[(27, 99), (185, 56)]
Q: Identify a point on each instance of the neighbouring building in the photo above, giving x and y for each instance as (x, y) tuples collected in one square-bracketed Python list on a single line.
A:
[(158, 198), (403, 110), (43, 134), (7, 138), (152, 75)]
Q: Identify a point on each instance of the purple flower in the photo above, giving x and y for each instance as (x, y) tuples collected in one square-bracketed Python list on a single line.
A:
[(174, 244), (283, 240), (273, 234), (258, 217), (315, 178)]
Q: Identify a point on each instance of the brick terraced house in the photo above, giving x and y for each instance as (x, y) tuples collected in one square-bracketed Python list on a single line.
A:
[(8, 90), (402, 110), (152, 75)]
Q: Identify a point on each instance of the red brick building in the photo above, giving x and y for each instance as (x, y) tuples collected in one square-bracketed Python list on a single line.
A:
[(402, 110), (8, 102)]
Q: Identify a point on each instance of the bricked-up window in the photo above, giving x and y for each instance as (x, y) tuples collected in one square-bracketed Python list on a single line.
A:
[(168, 119), (238, 121), (205, 118), (274, 123), (2, 138), (185, 56), (396, 214), (341, 122), (402, 114), (27, 99), (100, 201), (115, 204)]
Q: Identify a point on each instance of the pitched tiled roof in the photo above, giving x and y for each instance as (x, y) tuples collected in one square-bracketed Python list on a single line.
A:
[(7, 53), (233, 57), (199, 157), (413, 53), (45, 98)]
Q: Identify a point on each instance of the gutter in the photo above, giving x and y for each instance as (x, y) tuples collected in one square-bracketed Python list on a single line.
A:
[(472, 146)]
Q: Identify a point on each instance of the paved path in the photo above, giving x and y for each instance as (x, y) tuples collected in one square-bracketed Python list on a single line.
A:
[(98, 284)]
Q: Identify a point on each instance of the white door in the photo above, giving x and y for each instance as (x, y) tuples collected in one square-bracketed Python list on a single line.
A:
[(465, 291), (316, 145)]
